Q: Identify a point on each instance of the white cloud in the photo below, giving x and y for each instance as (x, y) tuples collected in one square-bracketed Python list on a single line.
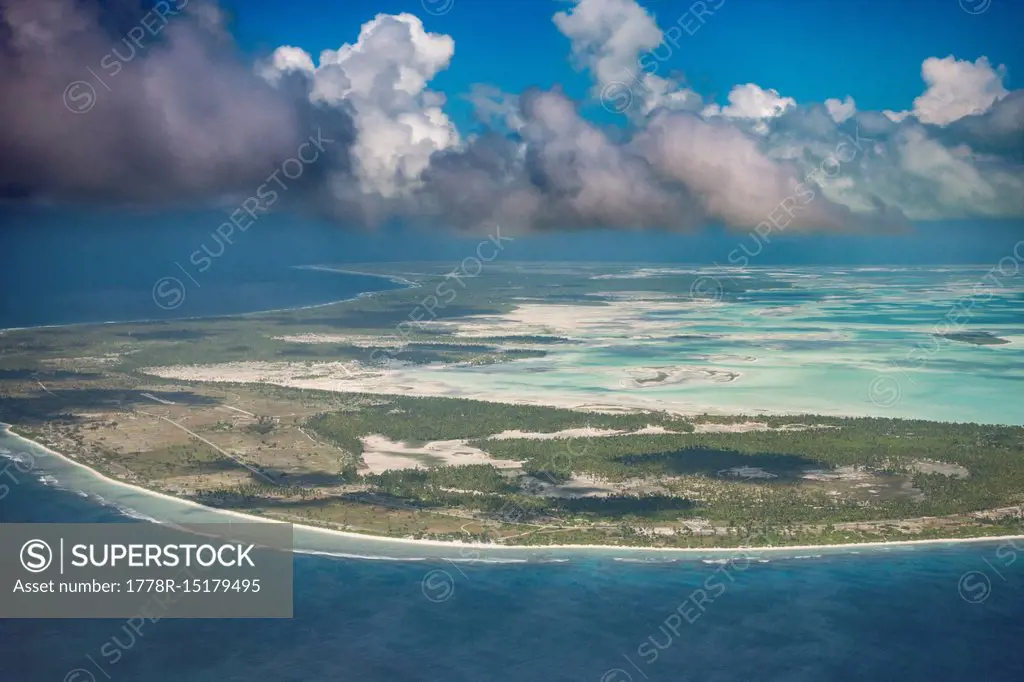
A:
[(666, 94), (957, 88), (593, 177), (286, 59), (611, 39), (608, 37), (734, 163), (750, 101), (495, 107), (895, 116), (841, 110), (956, 178), (736, 181), (384, 77)]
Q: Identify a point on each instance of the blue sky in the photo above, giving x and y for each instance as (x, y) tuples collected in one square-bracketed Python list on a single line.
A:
[(806, 49)]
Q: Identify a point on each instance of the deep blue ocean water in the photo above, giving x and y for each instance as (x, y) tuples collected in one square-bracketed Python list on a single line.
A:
[(901, 614), (165, 292)]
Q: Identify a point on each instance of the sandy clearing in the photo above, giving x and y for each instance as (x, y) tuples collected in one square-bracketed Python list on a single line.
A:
[(381, 454), (843, 473), (359, 341), (583, 432), (744, 427), (930, 466)]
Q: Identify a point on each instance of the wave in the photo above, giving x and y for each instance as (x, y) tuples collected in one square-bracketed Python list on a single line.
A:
[(364, 557), (453, 560), (133, 514)]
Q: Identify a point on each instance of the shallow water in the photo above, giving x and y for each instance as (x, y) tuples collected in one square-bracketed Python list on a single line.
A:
[(785, 340)]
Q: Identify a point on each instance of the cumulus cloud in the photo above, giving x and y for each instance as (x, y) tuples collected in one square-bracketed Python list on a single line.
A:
[(608, 37), (752, 102), (495, 108), (622, 47), (383, 78), (187, 118), (895, 116), (956, 88), (841, 110), (736, 181)]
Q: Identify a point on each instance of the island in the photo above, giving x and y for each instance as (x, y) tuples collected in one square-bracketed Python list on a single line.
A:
[(341, 417)]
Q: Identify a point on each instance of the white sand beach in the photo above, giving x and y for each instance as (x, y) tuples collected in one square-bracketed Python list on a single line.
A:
[(160, 507)]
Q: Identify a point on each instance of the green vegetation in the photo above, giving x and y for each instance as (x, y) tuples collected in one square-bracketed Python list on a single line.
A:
[(425, 419), (994, 456), (177, 460), (475, 477), (264, 425), (795, 481)]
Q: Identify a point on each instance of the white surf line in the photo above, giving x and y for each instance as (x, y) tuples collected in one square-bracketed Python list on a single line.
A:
[(345, 271), (158, 400), (227, 454)]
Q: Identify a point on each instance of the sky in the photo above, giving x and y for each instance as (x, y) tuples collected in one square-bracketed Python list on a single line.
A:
[(847, 130), (810, 50)]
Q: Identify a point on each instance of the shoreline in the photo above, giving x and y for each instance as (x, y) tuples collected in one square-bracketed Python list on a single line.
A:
[(409, 284), (365, 294), (693, 552)]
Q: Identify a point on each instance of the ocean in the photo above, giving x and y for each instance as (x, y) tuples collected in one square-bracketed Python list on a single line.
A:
[(922, 612), (169, 293), (377, 610)]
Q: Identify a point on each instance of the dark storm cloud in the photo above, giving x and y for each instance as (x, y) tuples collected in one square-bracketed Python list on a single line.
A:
[(999, 131), (122, 102)]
